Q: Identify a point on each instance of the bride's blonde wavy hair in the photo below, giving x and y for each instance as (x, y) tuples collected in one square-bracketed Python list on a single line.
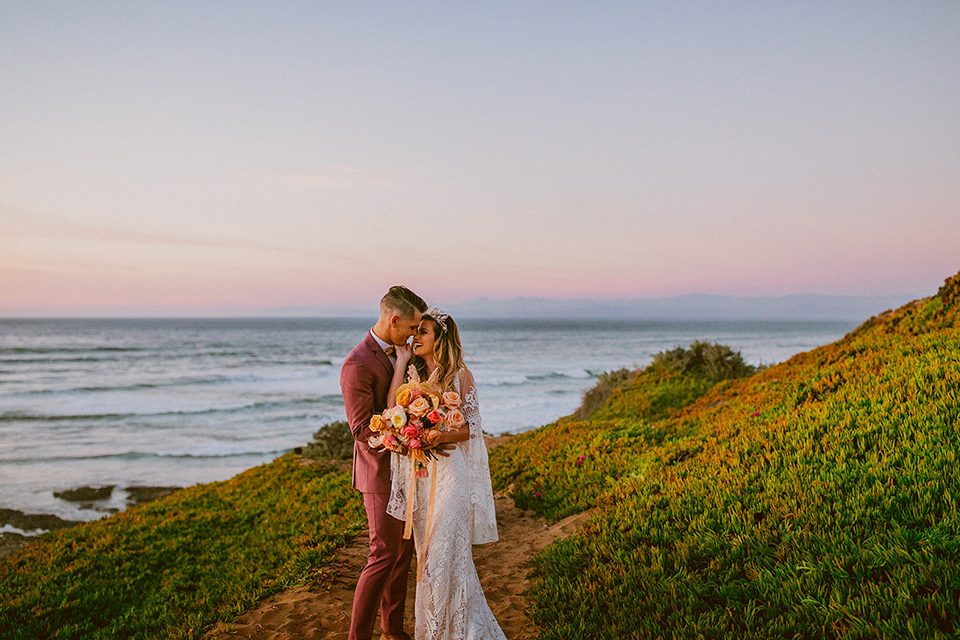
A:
[(447, 351)]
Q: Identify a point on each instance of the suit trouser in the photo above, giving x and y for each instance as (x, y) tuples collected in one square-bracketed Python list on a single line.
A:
[(383, 582)]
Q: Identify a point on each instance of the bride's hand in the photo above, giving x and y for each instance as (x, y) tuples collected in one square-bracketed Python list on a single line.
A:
[(403, 353)]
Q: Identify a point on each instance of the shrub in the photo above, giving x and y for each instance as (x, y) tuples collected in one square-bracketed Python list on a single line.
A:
[(597, 396), (714, 361), (333, 441)]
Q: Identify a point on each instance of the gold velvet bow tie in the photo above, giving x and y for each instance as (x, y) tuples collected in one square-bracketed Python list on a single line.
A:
[(390, 350)]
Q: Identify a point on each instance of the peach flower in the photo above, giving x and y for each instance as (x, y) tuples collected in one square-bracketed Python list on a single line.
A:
[(451, 399), (419, 406), (454, 419)]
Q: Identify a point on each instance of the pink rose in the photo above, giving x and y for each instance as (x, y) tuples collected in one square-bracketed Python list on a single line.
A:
[(409, 431), (413, 443), (435, 416), (416, 393)]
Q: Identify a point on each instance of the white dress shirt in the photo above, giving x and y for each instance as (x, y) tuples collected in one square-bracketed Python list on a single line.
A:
[(384, 345)]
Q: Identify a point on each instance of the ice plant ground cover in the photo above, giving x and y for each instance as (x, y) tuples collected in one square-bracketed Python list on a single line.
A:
[(817, 498), (173, 567)]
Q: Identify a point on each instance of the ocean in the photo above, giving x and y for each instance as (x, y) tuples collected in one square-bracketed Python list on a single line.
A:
[(128, 403)]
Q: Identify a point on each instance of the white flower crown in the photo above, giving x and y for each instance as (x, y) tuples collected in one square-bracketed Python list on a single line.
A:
[(440, 317)]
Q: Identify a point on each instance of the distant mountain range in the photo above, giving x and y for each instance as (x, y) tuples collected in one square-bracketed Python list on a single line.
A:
[(688, 307)]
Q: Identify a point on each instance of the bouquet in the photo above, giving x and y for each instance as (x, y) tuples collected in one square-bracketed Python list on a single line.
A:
[(415, 423)]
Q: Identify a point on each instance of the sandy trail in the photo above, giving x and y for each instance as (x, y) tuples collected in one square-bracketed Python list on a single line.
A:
[(314, 613)]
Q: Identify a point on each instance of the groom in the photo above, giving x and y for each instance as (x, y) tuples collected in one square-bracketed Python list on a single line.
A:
[(365, 382)]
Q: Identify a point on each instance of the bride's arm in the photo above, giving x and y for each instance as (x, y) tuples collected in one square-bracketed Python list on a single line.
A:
[(466, 390), (455, 435), (403, 353)]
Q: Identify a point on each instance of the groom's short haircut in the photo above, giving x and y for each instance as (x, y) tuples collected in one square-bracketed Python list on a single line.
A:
[(402, 301)]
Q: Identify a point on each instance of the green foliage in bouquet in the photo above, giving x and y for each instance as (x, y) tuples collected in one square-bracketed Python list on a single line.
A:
[(172, 568), (333, 441), (817, 498)]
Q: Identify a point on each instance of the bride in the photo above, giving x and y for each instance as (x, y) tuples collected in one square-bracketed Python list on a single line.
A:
[(450, 604)]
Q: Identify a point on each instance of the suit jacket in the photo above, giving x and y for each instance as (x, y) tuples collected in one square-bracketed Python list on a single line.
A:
[(365, 381)]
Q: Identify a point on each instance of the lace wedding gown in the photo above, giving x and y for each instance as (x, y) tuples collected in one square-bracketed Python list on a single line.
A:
[(450, 603)]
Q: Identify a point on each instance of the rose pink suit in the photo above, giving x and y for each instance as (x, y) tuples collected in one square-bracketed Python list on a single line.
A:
[(365, 382)]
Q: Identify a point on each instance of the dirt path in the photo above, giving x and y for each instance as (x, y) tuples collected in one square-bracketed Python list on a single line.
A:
[(314, 613)]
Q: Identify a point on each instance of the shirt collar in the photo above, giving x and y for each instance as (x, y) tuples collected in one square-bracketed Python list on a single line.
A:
[(383, 345)]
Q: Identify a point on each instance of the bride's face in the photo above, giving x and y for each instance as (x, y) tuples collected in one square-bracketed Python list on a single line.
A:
[(424, 338)]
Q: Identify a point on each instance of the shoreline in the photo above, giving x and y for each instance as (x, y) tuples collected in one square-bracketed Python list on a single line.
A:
[(19, 529)]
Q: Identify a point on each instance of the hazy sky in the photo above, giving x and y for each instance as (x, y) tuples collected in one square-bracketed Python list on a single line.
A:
[(235, 155)]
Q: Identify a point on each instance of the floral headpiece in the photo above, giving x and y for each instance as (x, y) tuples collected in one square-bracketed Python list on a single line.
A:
[(440, 317)]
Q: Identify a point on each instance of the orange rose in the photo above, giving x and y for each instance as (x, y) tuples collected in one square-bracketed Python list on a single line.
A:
[(419, 406), (376, 423), (404, 396)]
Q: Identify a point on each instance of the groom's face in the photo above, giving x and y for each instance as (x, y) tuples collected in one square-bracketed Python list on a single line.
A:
[(402, 328)]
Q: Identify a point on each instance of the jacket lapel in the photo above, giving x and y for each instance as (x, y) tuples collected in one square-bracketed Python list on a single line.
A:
[(380, 355)]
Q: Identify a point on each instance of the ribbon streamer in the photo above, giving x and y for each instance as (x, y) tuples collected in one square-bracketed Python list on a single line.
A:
[(425, 545), (417, 456)]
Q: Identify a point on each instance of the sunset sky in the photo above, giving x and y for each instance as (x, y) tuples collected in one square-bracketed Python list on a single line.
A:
[(170, 157)]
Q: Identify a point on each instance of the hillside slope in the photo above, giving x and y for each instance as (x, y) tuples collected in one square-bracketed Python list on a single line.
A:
[(817, 498)]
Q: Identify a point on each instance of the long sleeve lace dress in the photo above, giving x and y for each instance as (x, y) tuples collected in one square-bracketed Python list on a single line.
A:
[(450, 602)]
